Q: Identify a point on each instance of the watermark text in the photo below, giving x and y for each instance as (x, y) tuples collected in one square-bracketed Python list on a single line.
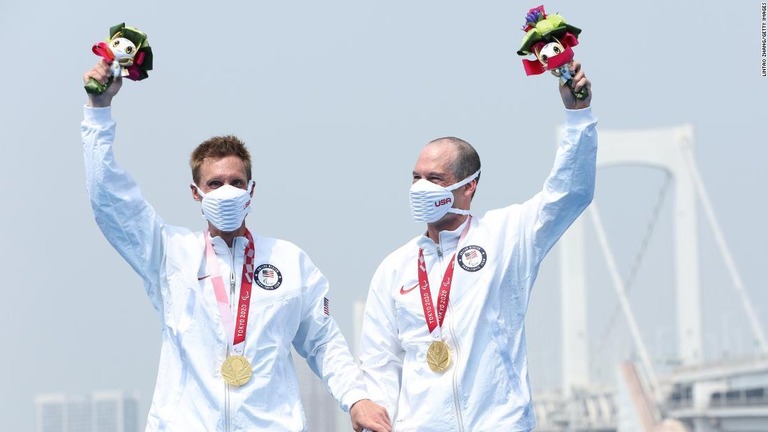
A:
[(763, 30)]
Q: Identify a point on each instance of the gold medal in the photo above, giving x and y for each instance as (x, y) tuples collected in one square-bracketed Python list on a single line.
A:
[(236, 370), (438, 356)]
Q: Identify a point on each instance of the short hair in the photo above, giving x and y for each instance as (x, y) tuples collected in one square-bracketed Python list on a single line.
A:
[(219, 147), (467, 160)]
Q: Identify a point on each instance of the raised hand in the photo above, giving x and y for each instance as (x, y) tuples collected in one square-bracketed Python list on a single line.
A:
[(102, 73)]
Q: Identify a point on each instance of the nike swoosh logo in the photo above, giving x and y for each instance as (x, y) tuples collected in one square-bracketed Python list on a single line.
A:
[(406, 291), (203, 277)]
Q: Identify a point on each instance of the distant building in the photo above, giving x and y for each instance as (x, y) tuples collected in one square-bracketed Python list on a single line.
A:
[(320, 408), (103, 411), (343, 421), (358, 311)]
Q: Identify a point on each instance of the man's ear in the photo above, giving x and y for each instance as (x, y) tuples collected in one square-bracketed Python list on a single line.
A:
[(470, 187), (195, 193)]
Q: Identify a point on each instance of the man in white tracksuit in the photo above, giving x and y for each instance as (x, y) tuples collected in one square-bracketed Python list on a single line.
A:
[(443, 337), (231, 303)]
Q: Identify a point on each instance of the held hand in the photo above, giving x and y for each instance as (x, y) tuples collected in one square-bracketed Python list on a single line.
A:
[(578, 83), (367, 415), (101, 73)]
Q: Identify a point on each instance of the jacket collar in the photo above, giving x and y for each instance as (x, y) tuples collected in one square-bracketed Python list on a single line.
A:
[(449, 240)]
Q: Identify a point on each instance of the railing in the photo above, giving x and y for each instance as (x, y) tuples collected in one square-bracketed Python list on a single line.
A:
[(742, 397)]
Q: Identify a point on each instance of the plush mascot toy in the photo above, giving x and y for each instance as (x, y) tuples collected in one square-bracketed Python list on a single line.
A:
[(128, 52), (550, 39)]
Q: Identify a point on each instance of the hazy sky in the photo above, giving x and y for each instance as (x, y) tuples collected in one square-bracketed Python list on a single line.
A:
[(335, 99)]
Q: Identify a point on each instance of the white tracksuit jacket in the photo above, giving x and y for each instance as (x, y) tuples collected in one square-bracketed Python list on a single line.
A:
[(190, 394), (486, 387)]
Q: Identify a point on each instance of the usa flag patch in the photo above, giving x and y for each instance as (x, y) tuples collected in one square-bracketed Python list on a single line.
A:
[(472, 258)]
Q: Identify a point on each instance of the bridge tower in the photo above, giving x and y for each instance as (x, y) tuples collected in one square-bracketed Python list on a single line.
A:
[(668, 149)]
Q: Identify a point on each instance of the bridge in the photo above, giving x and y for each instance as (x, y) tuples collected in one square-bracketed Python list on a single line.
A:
[(694, 395)]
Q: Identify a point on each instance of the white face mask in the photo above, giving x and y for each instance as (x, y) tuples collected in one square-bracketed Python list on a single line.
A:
[(430, 202), (226, 207)]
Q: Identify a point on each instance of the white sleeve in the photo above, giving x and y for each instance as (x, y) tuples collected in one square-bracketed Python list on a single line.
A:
[(128, 222), (381, 354), (322, 344), (567, 191)]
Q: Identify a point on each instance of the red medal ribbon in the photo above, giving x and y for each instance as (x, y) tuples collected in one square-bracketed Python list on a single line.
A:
[(434, 317), (236, 327)]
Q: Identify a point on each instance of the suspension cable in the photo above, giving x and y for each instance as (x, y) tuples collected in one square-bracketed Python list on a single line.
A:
[(618, 285), (639, 256), (725, 252)]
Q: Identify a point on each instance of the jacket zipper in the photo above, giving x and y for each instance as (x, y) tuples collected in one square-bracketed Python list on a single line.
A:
[(232, 277), (456, 399)]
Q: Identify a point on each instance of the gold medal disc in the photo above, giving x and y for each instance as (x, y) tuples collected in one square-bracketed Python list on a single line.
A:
[(438, 356), (236, 370)]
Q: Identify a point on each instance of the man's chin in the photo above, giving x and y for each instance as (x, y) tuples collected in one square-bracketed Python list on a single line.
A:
[(230, 231)]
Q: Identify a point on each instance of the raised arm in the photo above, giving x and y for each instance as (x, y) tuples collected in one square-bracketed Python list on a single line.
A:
[(126, 219), (570, 186)]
